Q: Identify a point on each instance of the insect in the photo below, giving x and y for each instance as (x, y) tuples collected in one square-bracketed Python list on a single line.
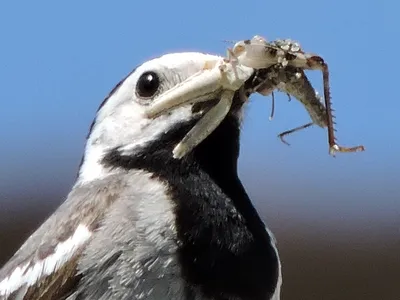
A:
[(289, 62), (281, 64)]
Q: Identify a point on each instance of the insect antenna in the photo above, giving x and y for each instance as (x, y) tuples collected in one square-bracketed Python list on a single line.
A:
[(229, 42)]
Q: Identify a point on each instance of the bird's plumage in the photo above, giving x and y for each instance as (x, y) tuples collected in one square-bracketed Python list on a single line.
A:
[(139, 224)]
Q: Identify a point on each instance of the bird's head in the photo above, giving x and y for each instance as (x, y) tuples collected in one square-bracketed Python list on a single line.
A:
[(121, 127)]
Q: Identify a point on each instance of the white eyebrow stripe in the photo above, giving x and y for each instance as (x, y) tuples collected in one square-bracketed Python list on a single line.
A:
[(22, 275)]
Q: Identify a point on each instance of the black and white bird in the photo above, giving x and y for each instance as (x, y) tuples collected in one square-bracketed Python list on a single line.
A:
[(140, 224)]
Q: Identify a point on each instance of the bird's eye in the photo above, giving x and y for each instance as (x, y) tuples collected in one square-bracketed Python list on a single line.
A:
[(147, 85)]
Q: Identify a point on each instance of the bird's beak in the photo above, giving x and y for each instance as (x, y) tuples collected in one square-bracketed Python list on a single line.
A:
[(201, 86)]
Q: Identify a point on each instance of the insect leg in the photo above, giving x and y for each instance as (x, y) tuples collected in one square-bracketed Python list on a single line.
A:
[(281, 135), (272, 107), (333, 147), (205, 126)]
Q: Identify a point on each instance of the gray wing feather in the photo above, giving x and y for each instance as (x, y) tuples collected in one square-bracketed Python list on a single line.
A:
[(85, 204)]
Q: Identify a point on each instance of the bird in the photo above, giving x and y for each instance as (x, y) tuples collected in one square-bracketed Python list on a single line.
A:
[(140, 224)]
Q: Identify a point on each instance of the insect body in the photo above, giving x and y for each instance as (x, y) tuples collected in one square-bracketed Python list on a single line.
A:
[(289, 61)]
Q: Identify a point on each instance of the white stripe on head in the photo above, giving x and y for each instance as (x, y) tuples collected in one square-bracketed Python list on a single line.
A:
[(121, 122), (28, 274)]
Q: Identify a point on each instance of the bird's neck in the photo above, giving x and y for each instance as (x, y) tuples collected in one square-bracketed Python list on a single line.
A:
[(224, 247), (218, 157)]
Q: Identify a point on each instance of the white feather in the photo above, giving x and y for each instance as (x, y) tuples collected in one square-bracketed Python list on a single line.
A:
[(27, 276)]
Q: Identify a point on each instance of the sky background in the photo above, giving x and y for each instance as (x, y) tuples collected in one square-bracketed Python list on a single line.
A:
[(59, 60)]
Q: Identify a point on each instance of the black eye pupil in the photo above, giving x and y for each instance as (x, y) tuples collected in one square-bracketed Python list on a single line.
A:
[(148, 84)]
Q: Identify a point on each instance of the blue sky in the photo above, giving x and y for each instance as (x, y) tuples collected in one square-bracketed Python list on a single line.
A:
[(59, 60)]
